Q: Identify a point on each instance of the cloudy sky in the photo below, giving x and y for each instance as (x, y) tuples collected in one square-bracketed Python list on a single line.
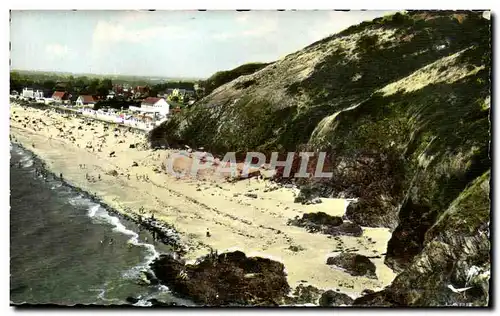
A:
[(165, 43)]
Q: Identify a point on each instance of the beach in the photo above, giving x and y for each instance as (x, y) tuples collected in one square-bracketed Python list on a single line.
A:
[(117, 166)]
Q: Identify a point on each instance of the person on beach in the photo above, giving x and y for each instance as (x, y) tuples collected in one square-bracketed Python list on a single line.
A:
[(61, 176), (99, 177)]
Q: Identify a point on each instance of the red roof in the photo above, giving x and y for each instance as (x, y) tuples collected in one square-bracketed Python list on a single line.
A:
[(151, 100), (59, 94), (88, 98)]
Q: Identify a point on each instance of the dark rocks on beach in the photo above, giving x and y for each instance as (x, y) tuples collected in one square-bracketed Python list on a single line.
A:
[(367, 291), (345, 229), (155, 303), (112, 154), (135, 164), (251, 195), (220, 279), (317, 222), (354, 264), (332, 298), (113, 173), (131, 146), (304, 294), (322, 218), (316, 201), (132, 300)]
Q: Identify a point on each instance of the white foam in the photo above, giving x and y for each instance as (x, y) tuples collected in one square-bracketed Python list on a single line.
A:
[(143, 303), (134, 240), (93, 210), (163, 288)]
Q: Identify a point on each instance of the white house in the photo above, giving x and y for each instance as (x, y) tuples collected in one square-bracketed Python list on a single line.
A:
[(86, 100), (29, 93), (155, 105), (111, 95)]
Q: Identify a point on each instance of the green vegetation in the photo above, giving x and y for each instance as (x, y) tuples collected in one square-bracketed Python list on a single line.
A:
[(223, 77), (88, 85), (401, 105)]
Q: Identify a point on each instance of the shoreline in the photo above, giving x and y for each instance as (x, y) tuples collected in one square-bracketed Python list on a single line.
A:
[(256, 226), (172, 240)]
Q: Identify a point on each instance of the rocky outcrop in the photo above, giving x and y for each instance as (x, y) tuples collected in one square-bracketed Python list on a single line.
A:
[(332, 298), (453, 267), (227, 279), (354, 264), (326, 224), (316, 222)]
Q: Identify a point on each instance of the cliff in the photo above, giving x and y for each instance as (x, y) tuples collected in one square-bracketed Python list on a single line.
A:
[(401, 104)]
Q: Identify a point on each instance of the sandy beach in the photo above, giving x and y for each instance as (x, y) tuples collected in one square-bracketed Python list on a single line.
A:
[(132, 180)]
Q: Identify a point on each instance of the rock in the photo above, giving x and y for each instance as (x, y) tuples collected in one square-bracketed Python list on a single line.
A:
[(150, 277), (135, 164), (316, 201), (132, 300), (113, 173), (112, 154), (345, 229), (219, 280), (354, 264), (131, 146), (305, 294), (251, 195), (321, 218), (154, 302), (316, 222), (332, 298), (367, 291)]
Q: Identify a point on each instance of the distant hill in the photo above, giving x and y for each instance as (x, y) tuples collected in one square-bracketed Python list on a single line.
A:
[(223, 77), (116, 78)]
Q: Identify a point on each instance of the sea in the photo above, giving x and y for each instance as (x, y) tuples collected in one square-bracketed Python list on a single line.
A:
[(67, 249)]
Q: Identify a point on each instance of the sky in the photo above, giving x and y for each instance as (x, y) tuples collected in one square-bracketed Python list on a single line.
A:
[(193, 44)]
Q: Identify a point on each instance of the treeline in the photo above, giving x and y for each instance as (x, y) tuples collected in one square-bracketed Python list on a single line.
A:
[(85, 85), (75, 86), (162, 87)]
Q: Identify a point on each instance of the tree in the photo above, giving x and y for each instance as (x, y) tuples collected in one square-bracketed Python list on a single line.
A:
[(92, 87)]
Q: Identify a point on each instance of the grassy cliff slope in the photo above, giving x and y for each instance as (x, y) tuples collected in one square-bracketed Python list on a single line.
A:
[(401, 104)]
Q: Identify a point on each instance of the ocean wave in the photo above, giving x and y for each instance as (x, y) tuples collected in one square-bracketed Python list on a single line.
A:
[(143, 303), (101, 215)]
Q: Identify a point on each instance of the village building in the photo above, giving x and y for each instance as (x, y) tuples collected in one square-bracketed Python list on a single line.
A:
[(111, 95), (60, 96), (30, 93), (86, 101), (153, 105)]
